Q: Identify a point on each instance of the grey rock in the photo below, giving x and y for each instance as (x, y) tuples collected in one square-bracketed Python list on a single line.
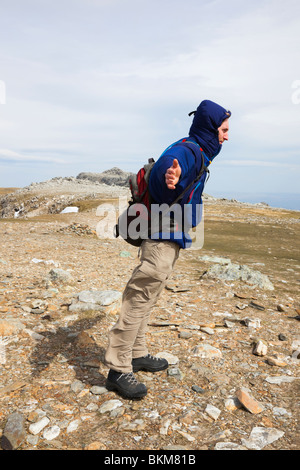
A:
[(175, 373), (14, 432), (36, 428), (172, 360), (207, 351), (77, 386), (73, 426), (282, 337), (125, 254), (197, 389), (261, 437), (252, 322), (110, 177), (175, 447), (215, 259), (237, 272), (207, 330), (95, 300), (136, 425), (51, 433), (60, 276), (110, 405), (185, 334), (260, 349), (97, 390), (229, 446), (212, 411), (281, 412), (103, 297), (278, 380), (32, 440)]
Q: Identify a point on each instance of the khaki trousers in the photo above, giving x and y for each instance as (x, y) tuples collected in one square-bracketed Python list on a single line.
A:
[(127, 339)]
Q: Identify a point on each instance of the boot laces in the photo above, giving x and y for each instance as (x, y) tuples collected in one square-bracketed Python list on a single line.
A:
[(129, 377), (152, 357)]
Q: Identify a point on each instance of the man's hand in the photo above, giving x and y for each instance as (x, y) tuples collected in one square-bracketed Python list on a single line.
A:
[(172, 175)]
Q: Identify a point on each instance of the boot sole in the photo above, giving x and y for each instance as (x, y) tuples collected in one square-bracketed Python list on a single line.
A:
[(149, 369), (112, 387)]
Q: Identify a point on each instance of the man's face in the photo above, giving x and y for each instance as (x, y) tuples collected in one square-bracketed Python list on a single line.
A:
[(223, 131)]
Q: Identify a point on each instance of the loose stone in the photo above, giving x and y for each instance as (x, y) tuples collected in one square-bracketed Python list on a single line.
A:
[(14, 432), (248, 402), (37, 427), (51, 433), (260, 348), (213, 411), (172, 360), (109, 406), (229, 446), (261, 437), (207, 351)]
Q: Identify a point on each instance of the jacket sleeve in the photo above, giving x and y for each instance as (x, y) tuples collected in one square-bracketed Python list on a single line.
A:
[(157, 184)]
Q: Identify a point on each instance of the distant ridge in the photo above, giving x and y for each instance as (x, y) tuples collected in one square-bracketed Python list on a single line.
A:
[(112, 176), (54, 195)]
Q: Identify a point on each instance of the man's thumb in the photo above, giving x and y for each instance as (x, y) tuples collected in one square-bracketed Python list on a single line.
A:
[(175, 163)]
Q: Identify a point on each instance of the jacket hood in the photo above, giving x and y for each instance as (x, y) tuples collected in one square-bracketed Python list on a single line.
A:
[(204, 129)]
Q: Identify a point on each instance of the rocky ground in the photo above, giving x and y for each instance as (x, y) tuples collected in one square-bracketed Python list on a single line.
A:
[(228, 322)]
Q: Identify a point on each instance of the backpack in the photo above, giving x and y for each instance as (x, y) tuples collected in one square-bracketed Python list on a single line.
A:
[(139, 185), (138, 213), (139, 205)]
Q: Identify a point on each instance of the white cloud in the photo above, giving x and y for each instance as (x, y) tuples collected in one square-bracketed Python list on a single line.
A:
[(115, 82), (10, 155)]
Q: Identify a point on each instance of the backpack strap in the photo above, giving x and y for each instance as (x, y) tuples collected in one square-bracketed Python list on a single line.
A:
[(192, 146), (202, 170), (203, 167)]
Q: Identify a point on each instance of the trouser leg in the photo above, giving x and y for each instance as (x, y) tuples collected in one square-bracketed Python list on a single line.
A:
[(127, 337), (140, 348)]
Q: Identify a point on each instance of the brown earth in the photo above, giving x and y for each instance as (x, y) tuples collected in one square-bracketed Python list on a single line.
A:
[(49, 348)]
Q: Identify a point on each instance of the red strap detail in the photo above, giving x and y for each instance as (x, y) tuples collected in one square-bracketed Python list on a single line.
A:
[(190, 196)]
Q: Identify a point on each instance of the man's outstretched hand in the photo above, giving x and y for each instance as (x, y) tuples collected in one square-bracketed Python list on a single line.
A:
[(172, 175)]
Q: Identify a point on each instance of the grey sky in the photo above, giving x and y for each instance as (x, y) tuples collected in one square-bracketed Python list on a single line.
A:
[(92, 84)]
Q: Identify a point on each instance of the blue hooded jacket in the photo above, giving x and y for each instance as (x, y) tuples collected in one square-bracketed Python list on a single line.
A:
[(203, 138), (208, 118)]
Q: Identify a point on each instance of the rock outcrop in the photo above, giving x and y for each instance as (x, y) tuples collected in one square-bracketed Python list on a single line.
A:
[(114, 176)]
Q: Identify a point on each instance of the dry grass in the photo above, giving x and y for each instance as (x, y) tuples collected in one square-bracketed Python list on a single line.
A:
[(90, 204), (4, 191), (249, 235)]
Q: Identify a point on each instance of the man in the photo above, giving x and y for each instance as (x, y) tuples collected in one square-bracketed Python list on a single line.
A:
[(174, 171)]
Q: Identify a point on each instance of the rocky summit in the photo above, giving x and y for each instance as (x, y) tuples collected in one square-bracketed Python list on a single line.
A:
[(227, 322)]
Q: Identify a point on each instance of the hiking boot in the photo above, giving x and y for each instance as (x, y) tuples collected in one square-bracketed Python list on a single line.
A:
[(149, 363), (125, 384)]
